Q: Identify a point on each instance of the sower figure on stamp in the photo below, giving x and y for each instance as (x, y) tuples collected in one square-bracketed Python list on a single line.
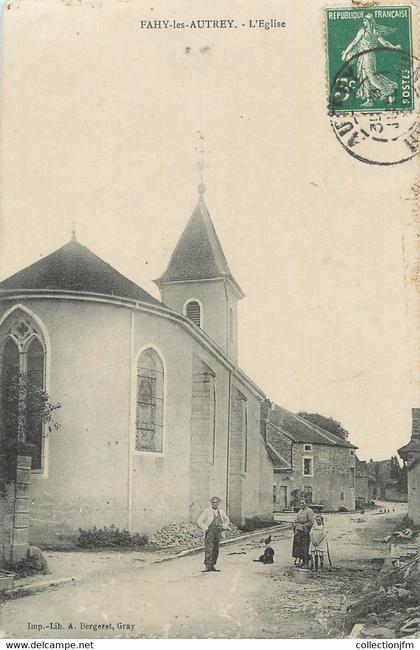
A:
[(372, 84), (213, 521)]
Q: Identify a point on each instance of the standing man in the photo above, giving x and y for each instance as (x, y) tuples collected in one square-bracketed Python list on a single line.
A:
[(213, 521)]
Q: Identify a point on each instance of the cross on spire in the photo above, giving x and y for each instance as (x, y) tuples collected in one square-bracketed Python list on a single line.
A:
[(73, 231), (201, 187)]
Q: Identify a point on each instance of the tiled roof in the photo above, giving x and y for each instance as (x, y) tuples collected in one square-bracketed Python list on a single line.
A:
[(276, 458), (300, 430), (198, 254), (75, 268), (412, 446)]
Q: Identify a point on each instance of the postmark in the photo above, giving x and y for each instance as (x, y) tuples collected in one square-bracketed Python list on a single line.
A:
[(373, 82)]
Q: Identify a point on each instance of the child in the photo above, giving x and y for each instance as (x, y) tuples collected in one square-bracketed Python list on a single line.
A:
[(318, 543)]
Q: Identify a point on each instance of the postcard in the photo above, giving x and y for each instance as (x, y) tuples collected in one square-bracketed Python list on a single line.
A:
[(209, 320)]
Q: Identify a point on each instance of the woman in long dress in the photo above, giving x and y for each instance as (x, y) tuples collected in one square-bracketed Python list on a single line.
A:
[(301, 527), (373, 85)]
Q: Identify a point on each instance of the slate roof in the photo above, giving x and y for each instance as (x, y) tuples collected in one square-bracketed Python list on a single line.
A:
[(75, 268), (300, 430), (198, 254)]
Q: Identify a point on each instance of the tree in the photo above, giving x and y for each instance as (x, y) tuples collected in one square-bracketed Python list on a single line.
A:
[(329, 424), (23, 407)]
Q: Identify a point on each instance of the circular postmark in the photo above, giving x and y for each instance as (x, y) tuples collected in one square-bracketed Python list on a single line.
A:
[(377, 132)]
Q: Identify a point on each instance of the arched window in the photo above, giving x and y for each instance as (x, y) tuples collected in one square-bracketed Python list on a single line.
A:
[(193, 312), (35, 373), (149, 403), (22, 352)]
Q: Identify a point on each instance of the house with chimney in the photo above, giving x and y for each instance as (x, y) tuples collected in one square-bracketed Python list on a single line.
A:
[(308, 462)]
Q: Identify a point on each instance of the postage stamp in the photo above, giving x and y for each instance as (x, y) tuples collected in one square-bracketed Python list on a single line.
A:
[(370, 59)]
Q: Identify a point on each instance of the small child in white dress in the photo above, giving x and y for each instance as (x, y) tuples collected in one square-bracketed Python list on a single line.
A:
[(318, 543)]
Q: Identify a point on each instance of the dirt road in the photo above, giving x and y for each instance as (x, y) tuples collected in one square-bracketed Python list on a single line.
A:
[(245, 600)]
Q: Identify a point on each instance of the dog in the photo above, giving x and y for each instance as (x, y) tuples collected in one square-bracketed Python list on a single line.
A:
[(267, 557)]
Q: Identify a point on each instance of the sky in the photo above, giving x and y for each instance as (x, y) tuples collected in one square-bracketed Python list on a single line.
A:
[(100, 125)]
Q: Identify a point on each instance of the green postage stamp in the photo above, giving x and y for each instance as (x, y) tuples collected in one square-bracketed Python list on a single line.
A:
[(370, 59)]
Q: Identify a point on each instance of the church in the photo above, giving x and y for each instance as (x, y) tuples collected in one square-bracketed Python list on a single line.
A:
[(156, 416)]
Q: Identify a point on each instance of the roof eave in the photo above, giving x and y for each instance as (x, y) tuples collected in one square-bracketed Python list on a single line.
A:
[(131, 303), (159, 282)]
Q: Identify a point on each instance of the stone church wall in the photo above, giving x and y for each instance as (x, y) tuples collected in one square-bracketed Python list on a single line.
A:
[(84, 482), (91, 476)]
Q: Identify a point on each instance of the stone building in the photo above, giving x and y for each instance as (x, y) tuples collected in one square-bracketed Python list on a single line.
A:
[(308, 461), (365, 482), (410, 454), (156, 414), (362, 480), (384, 481), (381, 473)]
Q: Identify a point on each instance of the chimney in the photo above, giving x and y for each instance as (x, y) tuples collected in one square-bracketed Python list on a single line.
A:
[(265, 407), (416, 423)]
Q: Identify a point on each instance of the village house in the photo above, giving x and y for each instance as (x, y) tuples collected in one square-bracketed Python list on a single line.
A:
[(308, 461), (156, 414), (384, 483), (364, 482), (410, 454)]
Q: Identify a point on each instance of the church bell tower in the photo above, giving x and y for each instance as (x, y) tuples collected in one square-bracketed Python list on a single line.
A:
[(198, 282)]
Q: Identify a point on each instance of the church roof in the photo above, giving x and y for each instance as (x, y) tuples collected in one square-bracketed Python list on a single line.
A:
[(74, 267), (198, 254), (301, 431)]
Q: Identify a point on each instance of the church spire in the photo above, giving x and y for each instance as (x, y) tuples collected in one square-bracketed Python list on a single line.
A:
[(198, 254), (198, 283)]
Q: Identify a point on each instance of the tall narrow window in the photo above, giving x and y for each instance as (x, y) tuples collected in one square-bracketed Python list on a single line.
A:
[(24, 353), (10, 367), (193, 312), (149, 411), (307, 466), (35, 374)]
